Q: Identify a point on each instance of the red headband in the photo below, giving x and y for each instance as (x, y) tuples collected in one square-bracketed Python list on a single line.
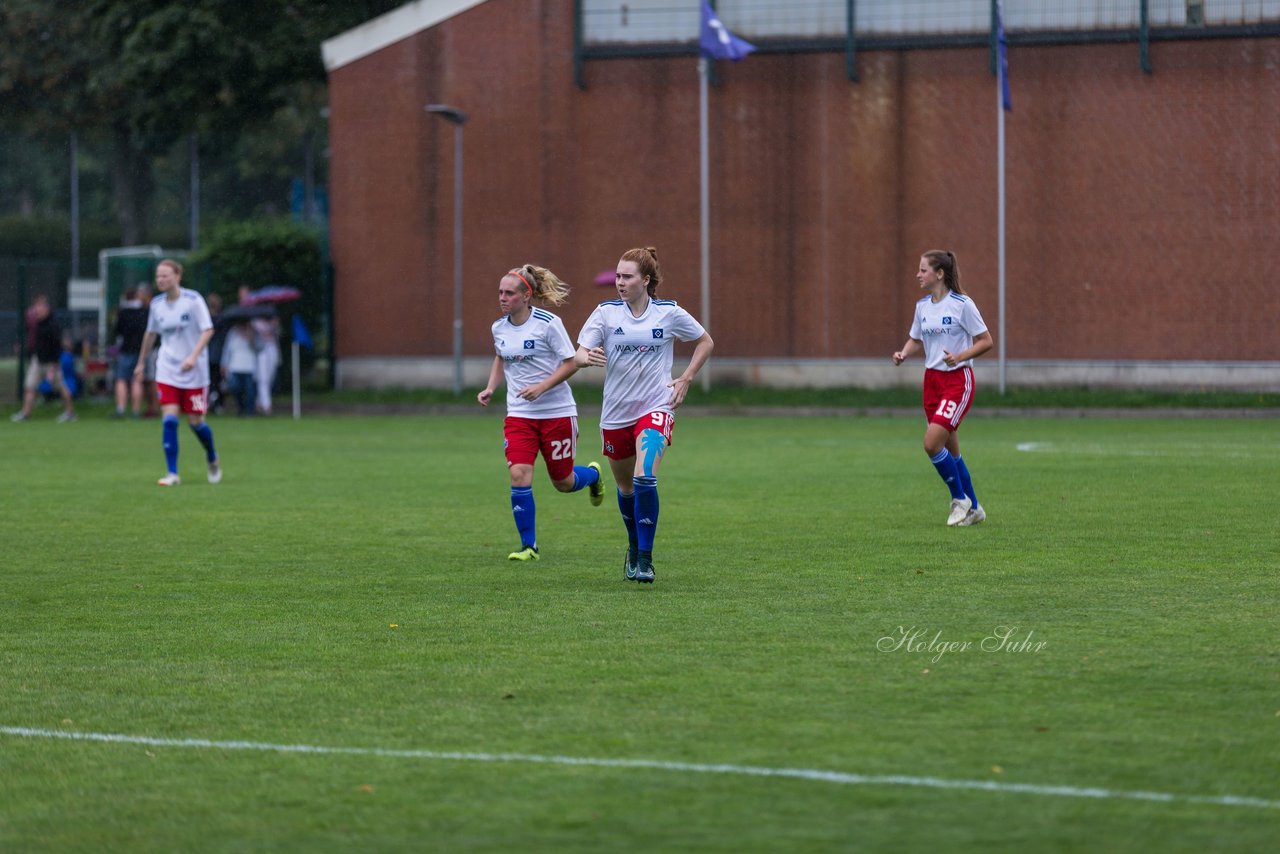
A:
[(518, 275)]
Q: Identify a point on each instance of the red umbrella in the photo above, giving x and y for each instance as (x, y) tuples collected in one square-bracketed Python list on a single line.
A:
[(272, 294), (605, 278)]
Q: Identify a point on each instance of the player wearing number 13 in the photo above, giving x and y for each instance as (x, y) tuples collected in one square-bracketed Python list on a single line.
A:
[(181, 318), (949, 328), (535, 356), (632, 339)]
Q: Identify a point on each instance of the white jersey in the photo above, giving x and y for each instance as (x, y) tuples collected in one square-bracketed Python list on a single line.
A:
[(637, 377), (179, 324), (530, 353), (949, 325)]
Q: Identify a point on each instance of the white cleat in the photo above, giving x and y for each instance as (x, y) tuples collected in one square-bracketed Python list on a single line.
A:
[(170, 479), (959, 510), (215, 472), (973, 517)]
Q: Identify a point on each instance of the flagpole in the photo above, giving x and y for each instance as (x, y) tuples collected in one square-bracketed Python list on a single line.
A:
[(1000, 218), (704, 201)]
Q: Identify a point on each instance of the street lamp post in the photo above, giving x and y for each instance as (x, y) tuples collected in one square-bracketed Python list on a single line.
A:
[(457, 118)]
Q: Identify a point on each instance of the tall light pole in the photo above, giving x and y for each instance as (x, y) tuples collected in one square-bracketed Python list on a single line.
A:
[(457, 118)]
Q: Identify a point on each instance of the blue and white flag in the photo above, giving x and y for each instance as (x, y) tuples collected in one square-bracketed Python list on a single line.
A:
[(1004, 59), (716, 42), (301, 334)]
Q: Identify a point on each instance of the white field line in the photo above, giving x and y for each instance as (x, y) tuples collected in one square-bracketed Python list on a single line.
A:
[(1228, 452), (839, 777)]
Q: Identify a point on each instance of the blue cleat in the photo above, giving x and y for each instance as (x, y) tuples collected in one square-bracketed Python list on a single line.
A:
[(631, 563), (644, 570)]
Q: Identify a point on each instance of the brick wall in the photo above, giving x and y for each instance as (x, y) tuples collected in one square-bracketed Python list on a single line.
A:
[(1143, 210)]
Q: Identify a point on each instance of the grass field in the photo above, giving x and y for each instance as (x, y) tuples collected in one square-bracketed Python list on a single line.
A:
[(344, 593)]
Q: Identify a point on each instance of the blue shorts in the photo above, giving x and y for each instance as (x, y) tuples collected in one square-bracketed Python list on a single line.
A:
[(125, 364)]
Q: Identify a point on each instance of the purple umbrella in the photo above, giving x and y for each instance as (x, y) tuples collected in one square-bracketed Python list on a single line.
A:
[(605, 278), (272, 294)]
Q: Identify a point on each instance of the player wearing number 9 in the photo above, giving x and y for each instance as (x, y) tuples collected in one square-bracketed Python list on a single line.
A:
[(632, 339), (948, 327), (535, 356)]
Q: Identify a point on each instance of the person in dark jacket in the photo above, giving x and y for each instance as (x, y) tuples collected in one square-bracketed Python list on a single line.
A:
[(131, 325), (45, 362)]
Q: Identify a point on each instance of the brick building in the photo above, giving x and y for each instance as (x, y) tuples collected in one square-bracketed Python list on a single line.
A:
[(1143, 208)]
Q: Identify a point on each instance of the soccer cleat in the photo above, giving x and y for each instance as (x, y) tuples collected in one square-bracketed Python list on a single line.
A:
[(973, 517), (959, 509), (596, 490), (526, 553), (644, 570), (631, 563), (19, 416), (215, 472), (66, 417), (170, 479)]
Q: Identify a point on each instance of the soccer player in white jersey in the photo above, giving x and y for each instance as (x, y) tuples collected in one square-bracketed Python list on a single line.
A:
[(181, 318), (948, 327), (535, 357), (632, 338)]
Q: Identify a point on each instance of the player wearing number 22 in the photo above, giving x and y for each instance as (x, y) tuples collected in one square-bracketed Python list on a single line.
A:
[(180, 317), (535, 356), (949, 328), (632, 339)]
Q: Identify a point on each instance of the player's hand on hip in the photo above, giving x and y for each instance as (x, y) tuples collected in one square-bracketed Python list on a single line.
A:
[(679, 388)]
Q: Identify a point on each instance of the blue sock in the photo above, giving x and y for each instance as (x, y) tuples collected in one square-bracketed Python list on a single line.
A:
[(627, 507), (946, 466), (583, 476), (646, 511), (965, 482), (205, 434), (526, 515), (169, 432)]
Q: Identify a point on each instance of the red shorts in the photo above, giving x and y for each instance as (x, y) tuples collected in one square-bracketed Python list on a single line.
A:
[(556, 438), (620, 442), (192, 401), (947, 396)]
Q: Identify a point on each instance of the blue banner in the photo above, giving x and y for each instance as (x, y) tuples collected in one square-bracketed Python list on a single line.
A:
[(716, 42)]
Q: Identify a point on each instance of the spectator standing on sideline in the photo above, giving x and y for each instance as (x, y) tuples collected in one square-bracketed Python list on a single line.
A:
[(948, 327), (149, 363), (267, 330), (130, 326), (45, 362), (215, 353), (239, 362), (535, 356), (181, 317), (632, 339)]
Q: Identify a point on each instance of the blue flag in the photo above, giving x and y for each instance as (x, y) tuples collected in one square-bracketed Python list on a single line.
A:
[(716, 42), (300, 333), (1004, 60)]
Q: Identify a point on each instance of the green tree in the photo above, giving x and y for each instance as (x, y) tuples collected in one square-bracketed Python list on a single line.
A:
[(145, 74)]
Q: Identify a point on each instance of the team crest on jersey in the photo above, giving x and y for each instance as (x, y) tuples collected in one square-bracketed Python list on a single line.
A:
[(528, 345), (946, 321), (657, 333), (185, 318)]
